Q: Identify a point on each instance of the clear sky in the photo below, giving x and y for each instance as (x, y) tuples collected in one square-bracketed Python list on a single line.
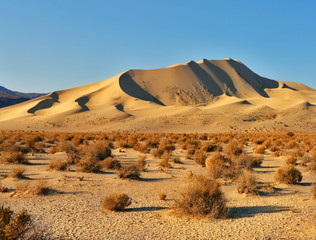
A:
[(48, 45)]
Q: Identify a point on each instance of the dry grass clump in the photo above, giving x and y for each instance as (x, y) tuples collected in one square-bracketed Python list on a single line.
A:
[(312, 165), (3, 188), (259, 150), (288, 174), (248, 161), (14, 226), (110, 163), (200, 157), (246, 182), (89, 164), (164, 164), (201, 197), (17, 172), (13, 157), (40, 188), (58, 164), (116, 202), (233, 148), (141, 163), (162, 196), (129, 171), (291, 160), (215, 165), (100, 151)]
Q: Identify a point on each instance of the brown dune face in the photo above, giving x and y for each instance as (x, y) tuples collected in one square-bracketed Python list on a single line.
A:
[(211, 95)]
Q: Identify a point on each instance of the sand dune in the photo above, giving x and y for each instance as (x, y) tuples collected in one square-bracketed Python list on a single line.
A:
[(142, 100)]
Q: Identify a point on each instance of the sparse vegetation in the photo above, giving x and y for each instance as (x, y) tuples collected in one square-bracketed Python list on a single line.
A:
[(115, 202), (200, 198), (129, 171), (58, 164), (162, 196), (17, 172), (246, 182), (288, 175)]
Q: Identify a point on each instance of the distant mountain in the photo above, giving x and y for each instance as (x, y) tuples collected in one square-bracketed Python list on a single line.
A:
[(9, 97)]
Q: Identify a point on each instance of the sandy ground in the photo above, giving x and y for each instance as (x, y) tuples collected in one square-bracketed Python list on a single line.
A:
[(74, 212)]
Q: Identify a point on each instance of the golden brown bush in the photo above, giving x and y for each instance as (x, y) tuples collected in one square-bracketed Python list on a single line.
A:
[(13, 157), (17, 172), (201, 197), (246, 160), (291, 160), (58, 164), (215, 165), (164, 164), (14, 226), (200, 157), (89, 163), (259, 150), (233, 148), (288, 174), (246, 182), (110, 163), (116, 202), (129, 171), (141, 163), (162, 196)]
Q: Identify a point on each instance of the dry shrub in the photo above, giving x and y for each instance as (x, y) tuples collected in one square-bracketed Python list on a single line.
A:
[(164, 165), (259, 150), (215, 165), (110, 163), (17, 172), (288, 174), (58, 164), (89, 164), (200, 157), (3, 188), (40, 188), (141, 163), (210, 147), (246, 182), (200, 198), (291, 160), (248, 161), (115, 202), (129, 171), (189, 153), (14, 226), (312, 165), (313, 190), (52, 150), (18, 225), (71, 150), (233, 148), (100, 151), (162, 196), (13, 157)]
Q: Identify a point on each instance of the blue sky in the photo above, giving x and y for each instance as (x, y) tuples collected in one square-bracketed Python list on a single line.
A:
[(49, 45)]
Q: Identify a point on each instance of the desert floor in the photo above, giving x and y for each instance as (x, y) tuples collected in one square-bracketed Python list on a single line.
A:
[(74, 212)]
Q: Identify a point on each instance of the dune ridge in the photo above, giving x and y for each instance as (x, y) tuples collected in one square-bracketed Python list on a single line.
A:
[(205, 93)]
